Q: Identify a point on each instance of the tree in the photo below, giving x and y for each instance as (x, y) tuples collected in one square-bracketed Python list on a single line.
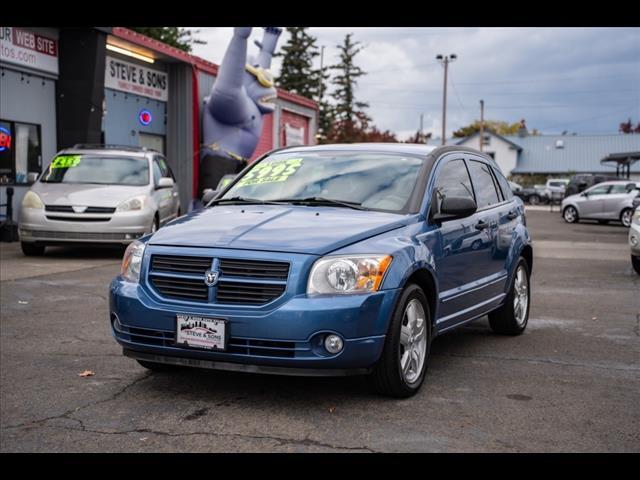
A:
[(182, 38), (496, 126), (627, 127), (297, 74)]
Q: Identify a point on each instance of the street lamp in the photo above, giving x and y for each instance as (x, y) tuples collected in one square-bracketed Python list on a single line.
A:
[(445, 60)]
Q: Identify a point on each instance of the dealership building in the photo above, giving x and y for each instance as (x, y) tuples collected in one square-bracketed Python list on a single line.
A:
[(60, 87)]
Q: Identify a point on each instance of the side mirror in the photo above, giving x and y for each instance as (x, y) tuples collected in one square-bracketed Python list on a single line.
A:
[(209, 194), (165, 182), (455, 207), (32, 177), (584, 194)]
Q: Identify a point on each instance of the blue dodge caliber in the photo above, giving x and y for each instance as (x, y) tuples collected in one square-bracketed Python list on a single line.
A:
[(330, 260)]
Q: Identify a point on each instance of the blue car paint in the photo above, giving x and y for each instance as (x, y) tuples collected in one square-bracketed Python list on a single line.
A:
[(467, 284)]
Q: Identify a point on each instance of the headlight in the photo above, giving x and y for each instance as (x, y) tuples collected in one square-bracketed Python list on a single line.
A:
[(348, 274), (32, 200), (132, 261), (135, 203)]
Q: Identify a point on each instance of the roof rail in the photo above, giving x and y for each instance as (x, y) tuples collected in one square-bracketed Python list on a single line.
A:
[(102, 146)]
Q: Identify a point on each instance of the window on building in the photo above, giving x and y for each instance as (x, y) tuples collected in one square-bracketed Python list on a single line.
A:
[(20, 151), (483, 184)]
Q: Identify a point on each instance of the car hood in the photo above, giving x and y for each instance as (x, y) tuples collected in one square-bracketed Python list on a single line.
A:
[(278, 228), (90, 195)]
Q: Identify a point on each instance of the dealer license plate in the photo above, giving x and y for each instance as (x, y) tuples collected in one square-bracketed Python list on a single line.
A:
[(201, 332)]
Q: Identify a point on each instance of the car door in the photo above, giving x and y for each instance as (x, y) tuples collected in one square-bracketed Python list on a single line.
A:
[(463, 251), (614, 200), (509, 214), (162, 196), (175, 195), (591, 204)]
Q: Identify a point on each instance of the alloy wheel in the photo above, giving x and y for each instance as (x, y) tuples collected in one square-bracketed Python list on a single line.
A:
[(570, 214), (626, 216), (413, 341), (520, 296)]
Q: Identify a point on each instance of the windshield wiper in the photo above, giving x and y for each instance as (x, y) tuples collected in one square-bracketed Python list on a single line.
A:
[(321, 200), (244, 200)]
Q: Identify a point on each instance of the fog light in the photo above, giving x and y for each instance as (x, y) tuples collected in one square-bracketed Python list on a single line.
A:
[(333, 344)]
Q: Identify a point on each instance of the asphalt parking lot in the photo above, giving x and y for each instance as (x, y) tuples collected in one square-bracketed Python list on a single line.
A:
[(570, 383)]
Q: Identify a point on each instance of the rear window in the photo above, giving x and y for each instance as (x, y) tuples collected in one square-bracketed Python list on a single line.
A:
[(98, 170)]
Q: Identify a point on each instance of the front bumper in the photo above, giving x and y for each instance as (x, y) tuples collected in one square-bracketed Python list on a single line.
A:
[(284, 339), (113, 228)]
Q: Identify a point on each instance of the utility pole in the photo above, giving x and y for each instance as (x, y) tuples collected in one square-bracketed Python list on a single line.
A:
[(445, 60), (320, 92), (481, 123), (421, 136)]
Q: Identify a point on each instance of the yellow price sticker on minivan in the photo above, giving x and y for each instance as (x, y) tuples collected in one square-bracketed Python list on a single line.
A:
[(65, 161), (270, 172)]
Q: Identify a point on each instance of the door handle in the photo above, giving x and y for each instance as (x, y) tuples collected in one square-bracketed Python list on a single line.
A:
[(511, 215), (481, 225)]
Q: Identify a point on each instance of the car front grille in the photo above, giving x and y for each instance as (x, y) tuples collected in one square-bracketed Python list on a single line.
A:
[(69, 209), (78, 219), (241, 281), (88, 236), (238, 346)]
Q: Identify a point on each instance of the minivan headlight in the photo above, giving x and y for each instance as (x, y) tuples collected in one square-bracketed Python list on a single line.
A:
[(347, 274), (32, 200), (132, 261), (135, 203)]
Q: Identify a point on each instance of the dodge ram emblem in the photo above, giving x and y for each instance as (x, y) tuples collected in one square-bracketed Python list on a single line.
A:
[(210, 278)]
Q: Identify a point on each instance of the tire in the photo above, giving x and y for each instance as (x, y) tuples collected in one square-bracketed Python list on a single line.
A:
[(570, 214), (534, 200), (635, 261), (625, 217), (388, 377), (158, 367), (505, 320), (32, 249)]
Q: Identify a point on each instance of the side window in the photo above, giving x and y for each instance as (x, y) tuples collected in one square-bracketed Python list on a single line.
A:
[(600, 190), (618, 188), (20, 151), (507, 194), (453, 181), (157, 171), (483, 184)]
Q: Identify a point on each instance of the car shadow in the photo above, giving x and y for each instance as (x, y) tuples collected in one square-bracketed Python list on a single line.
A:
[(86, 252)]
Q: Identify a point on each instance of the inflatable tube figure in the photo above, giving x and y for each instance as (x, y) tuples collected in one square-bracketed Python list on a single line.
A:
[(242, 95)]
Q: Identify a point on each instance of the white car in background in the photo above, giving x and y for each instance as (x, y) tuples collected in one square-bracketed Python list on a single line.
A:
[(604, 202), (98, 194)]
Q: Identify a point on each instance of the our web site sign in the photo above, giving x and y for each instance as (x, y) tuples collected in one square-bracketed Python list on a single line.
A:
[(29, 49), (133, 78)]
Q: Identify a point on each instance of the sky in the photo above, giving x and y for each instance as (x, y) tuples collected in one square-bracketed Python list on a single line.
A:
[(578, 80)]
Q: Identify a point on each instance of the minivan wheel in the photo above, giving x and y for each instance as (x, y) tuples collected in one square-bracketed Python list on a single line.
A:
[(534, 200), (570, 214), (512, 317), (403, 364), (626, 216), (32, 249)]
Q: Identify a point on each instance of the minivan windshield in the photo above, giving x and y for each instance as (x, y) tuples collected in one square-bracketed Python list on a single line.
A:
[(376, 181), (107, 170)]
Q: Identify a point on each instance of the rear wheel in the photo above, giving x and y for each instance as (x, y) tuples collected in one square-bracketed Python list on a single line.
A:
[(570, 214), (635, 261), (512, 317), (32, 249), (626, 216), (403, 364), (534, 200)]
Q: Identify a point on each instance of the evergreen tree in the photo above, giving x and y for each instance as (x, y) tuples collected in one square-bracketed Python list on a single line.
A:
[(297, 74), (178, 37)]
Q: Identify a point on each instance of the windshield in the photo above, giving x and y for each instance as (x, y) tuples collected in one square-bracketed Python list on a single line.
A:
[(98, 170), (376, 181)]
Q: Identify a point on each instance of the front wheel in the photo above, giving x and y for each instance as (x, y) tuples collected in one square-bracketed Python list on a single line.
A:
[(512, 317), (403, 364), (626, 216), (570, 214), (534, 200)]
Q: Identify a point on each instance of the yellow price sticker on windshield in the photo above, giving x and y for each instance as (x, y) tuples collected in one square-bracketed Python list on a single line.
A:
[(271, 172), (65, 161)]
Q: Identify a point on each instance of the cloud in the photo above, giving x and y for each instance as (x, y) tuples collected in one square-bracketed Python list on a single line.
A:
[(584, 80)]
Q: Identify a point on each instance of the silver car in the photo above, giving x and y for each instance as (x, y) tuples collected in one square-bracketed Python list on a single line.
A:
[(634, 240), (106, 195), (603, 202)]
